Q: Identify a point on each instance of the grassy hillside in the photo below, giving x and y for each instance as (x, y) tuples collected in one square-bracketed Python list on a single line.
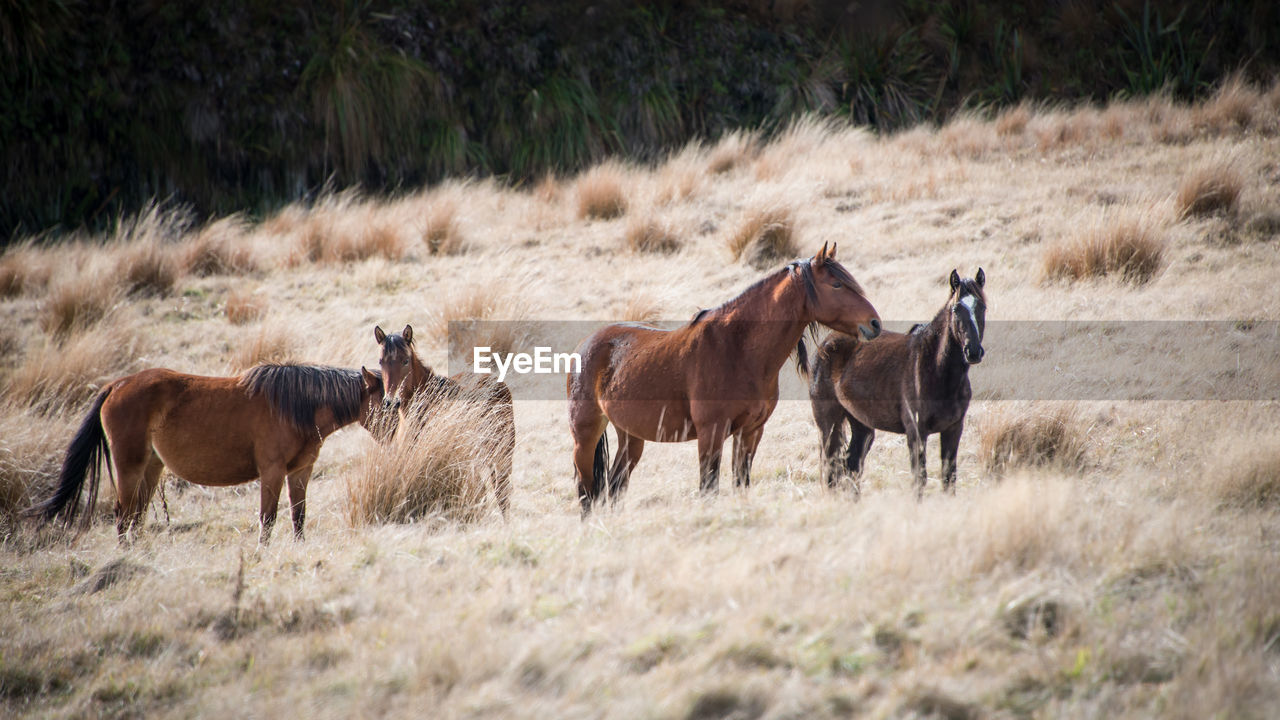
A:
[(1131, 574)]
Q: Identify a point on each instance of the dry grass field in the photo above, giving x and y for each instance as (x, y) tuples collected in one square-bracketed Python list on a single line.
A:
[(1100, 558)]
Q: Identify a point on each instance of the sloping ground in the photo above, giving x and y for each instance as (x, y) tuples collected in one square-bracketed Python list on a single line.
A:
[(1136, 577)]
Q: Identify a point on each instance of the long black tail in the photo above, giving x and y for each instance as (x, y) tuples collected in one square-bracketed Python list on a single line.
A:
[(85, 456), (600, 466)]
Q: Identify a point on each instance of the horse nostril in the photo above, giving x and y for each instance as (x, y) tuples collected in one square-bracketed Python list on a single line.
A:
[(875, 325)]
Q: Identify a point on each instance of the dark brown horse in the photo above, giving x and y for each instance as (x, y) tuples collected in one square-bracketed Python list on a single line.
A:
[(915, 384), (713, 378), (411, 383), (267, 423)]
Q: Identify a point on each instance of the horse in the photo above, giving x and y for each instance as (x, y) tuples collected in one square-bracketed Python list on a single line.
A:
[(267, 424), (412, 383), (710, 379), (914, 383)]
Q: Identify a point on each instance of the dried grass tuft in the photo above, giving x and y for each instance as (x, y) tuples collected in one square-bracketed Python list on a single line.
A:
[(437, 465), (1013, 121), (1127, 243), (244, 307), (57, 375), (649, 235), (1248, 475), (732, 151), (600, 194), (78, 301), (274, 342), (1209, 188), (765, 237), (441, 234), (220, 248), (1033, 437)]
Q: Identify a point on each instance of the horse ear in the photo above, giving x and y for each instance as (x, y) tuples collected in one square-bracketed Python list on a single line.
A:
[(407, 334), (831, 254), (980, 278), (378, 334), (821, 257), (371, 381), (955, 280)]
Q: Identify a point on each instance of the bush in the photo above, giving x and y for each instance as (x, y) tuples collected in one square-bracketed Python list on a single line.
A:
[(1033, 437), (1126, 243)]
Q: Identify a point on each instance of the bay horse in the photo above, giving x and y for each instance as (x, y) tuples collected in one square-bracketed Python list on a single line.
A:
[(713, 378), (267, 424), (412, 383), (914, 383)]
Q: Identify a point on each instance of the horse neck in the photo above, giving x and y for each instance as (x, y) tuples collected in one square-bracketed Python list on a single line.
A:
[(944, 352), (769, 319), (419, 374)]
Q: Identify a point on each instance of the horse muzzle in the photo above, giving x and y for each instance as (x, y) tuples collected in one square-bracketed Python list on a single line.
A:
[(973, 354), (871, 331), (391, 405)]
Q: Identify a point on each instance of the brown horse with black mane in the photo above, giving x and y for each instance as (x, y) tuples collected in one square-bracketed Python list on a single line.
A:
[(267, 423), (713, 378), (914, 383), (412, 383)]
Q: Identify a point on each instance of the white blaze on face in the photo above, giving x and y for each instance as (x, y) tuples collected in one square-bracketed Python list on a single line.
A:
[(970, 302)]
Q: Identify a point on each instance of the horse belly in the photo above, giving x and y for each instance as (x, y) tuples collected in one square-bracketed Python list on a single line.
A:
[(652, 420), (207, 450)]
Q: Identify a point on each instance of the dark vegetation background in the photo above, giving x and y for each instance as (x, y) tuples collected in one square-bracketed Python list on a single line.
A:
[(243, 105)]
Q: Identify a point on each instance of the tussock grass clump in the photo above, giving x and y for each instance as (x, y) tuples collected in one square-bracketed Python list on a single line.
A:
[(600, 195), (1235, 105), (23, 267), (764, 237), (441, 234), (1210, 188), (1013, 121), (1033, 437), (484, 314), (273, 342), (343, 228), (642, 308), (148, 267), (1249, 475), (29, 458), (648, 235), (244, 307), (77, 302), (56, 375), (436, 466), (1125, 242), (732, 151), (219, 249)]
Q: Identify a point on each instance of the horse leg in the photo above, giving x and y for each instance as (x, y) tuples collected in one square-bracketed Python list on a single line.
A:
[(855, 455), (298, 480), (588, 436), (916, 446), (829, 417), (950, 447), (630, 448), (136, 480), (271, 481), (710, 448), (744, 452)]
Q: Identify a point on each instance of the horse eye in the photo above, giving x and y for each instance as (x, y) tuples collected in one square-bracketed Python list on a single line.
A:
[(406, 361), (837, 286)]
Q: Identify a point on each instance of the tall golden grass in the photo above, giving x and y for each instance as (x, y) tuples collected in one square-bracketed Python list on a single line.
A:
[(437, 465), (1020, 437), (58, 375), (764, 236), (244, 307), (1124, 242), (78, 300), (220, 248), (650, 235), (1247, 474), (1212, 187), (600, 192), (441, 234)]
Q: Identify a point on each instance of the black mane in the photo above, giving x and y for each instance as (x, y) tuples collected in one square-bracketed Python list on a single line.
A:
[(297, 392)]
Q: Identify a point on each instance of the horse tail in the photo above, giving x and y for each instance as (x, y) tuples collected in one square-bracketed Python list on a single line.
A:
[(84, 458), (600, 466)]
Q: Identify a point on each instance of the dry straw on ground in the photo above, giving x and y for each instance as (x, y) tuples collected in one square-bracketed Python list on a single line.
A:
[(1248, 473), (1126, 242), (57, 375), (441, 234), (764, 237), (437, 465), (78, 300), (220, 248), (733, 150)]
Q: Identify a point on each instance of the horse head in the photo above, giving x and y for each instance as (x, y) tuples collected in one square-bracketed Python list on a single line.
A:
[(835, 299), (374, 415), (396, 362), (968, 307)]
